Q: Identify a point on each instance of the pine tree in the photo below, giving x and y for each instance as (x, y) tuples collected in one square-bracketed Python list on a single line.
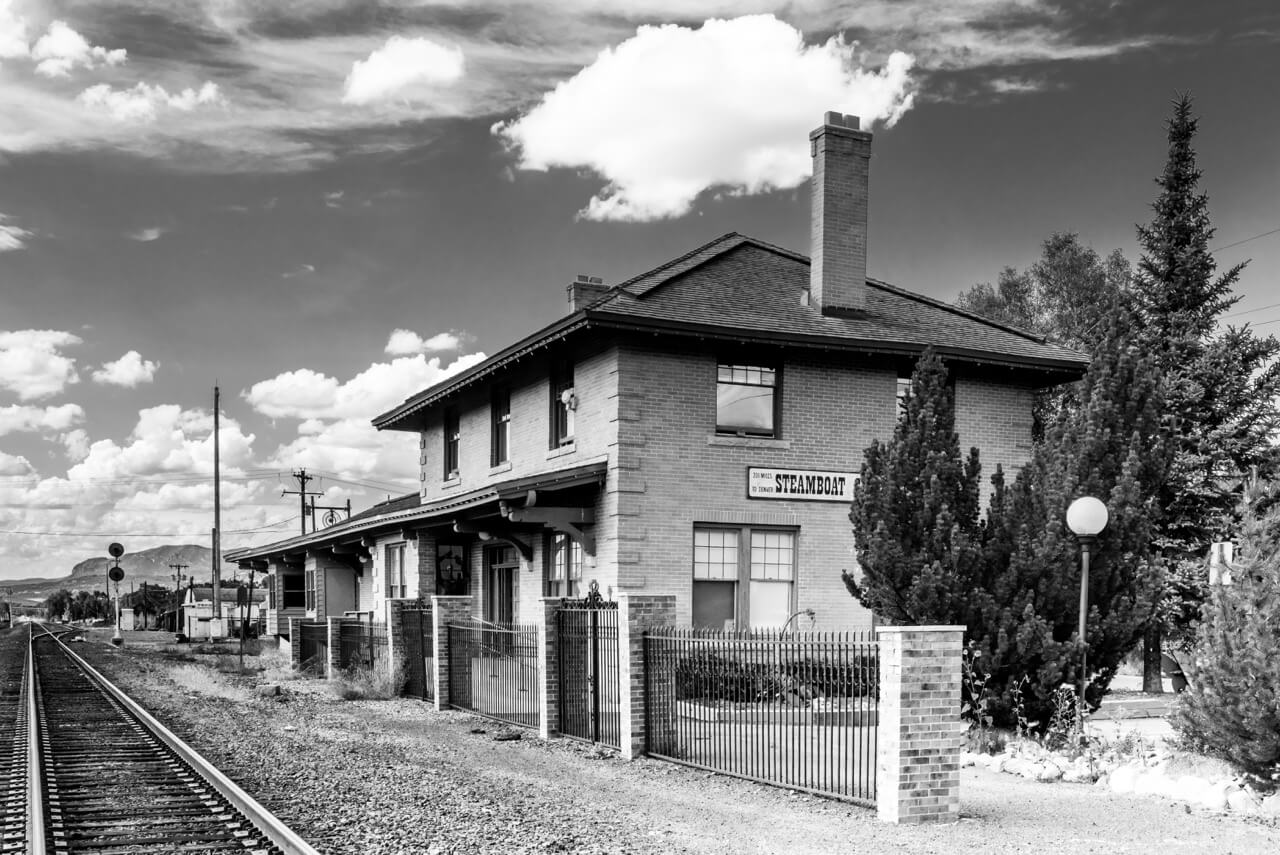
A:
[(1231, 707), (1221, 388), (915, 510)]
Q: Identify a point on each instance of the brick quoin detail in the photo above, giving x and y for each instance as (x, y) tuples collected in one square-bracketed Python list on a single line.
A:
[(444, 611), (920, 733), (636, 614)]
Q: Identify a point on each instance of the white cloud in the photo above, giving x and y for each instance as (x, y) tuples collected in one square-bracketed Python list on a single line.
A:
[(307, 394), (31, 364), (20, 418), (13, 32), (147, 235), (407, 342), (11, 237), (76, 442), (61, 49), (144, 102), (403, 69), (14, 465), (129, 371), (167, 440), (634, 118), (352, 448), (300, 270)]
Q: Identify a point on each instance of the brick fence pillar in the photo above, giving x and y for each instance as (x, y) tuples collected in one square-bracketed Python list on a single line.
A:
[(549, 668), (920, 734), (636, 614), (333, 665), (295, 644), (394, 618), (444, 611)]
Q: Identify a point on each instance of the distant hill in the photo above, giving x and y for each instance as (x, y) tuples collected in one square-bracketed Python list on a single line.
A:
[(149, 565)]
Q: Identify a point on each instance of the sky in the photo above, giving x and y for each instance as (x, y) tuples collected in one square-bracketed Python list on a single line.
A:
[(324, 206)]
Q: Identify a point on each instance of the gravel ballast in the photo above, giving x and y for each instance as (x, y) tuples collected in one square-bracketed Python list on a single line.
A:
[(390, 777)]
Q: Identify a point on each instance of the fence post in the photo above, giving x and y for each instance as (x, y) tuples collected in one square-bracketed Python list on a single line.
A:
[(444, 611), (295, 643), (636, 614), (920, 732), (333, 661), (549, 673)]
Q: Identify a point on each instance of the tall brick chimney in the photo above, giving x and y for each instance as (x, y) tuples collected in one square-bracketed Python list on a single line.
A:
[(585, 290), (838, 228)]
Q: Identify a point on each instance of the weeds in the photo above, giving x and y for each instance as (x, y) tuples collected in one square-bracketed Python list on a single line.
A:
[(362, 684)]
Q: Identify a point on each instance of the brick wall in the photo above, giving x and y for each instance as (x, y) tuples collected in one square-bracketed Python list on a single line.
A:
[(920, 734), (997, 418)]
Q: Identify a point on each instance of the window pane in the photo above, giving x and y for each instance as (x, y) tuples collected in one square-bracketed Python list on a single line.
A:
[(773, 555), (770, 603), (745, 407), (715, 554), (713, 604)]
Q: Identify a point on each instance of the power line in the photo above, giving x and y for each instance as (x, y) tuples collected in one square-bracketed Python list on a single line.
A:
[(1246, 241), (1250, 311), (266, 527)]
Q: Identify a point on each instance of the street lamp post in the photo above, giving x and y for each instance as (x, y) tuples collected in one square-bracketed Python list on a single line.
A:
[(1086, 517)]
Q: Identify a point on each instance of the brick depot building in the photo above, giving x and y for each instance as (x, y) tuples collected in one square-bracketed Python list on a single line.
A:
[(694, 431)]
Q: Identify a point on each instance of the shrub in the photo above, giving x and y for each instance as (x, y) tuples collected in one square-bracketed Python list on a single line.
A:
[(1231, 708)]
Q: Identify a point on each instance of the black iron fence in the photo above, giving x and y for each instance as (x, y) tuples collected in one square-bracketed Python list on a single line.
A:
[(587, 661), (493, 671), (313, 647), (362, 644), (798, 711), (419, 653)]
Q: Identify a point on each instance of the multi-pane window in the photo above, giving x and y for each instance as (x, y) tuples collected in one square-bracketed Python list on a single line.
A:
[(904, 388), (743, 577), (394, 565), (564, 403), (746, 400), (452, 441), (500, 422), (310, 590), (271, 592), (564, 566)]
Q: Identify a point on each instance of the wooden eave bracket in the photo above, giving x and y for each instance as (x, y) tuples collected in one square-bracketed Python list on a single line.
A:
[(495, 531), (570, 521)]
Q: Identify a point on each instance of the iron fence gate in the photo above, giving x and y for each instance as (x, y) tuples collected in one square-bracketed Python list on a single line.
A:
[(798, 711), (313, 647), (355, 645), (493, 671), (419, 653), (587, 658)]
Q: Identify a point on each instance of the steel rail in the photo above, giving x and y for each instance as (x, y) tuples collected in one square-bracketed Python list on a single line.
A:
[(283, 837), (35, 775)]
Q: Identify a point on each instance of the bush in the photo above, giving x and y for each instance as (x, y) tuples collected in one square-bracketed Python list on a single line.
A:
[(1231, 708), (711, 676)]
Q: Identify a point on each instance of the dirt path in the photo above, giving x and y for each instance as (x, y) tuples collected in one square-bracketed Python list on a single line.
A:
[(396, 777)]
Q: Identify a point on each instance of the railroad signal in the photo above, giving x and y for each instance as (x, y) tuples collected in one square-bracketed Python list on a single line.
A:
[(116, 574), (115, 550)]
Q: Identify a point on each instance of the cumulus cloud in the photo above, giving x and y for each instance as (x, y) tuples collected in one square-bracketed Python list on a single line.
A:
[(307, 394), (129, 371), (144, 102), (61, 49), (13, 32), (407, 342), (147, 235), (166, 439), (403, 69), (11, 237), (76, 443), (636, 117), (300, 270), (14, 464), (351, 446), (27, 419), (32, 365)]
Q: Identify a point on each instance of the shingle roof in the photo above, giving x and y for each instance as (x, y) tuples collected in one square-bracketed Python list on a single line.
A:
[(742, 288)]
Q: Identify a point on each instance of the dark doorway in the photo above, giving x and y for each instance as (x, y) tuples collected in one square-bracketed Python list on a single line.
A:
[(501, 569)]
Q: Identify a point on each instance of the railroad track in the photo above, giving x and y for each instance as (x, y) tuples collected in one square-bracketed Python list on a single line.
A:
[(84, 769)]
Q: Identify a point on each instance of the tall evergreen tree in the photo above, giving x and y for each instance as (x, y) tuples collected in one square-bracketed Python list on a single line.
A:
[(1231, 707), (1221, 387)]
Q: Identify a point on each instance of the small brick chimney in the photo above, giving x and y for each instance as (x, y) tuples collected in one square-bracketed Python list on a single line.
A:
[(838, 227), (584, 291)]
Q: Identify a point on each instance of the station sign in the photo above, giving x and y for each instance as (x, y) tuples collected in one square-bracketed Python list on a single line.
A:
[(807, 485)]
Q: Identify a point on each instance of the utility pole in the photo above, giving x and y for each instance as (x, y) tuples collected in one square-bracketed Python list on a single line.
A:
[(217, 514), (177, 595), (302, 494)]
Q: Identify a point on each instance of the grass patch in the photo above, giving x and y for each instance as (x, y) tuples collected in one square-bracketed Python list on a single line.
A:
[(203, 681), (359, 684)]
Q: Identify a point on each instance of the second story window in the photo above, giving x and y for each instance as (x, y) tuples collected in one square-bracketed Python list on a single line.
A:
[(564, 402), (746, 400), (452, 440), (500, 414), (904, 389)]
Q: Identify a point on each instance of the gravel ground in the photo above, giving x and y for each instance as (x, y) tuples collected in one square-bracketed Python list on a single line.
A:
[(390, 777)]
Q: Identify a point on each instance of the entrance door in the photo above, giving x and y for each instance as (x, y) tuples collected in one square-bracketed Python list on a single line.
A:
[(501, 570)]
